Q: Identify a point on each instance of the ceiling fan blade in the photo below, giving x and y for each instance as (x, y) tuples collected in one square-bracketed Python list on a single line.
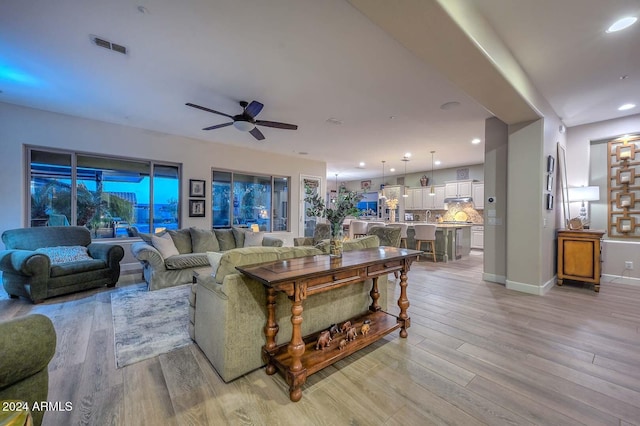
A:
[(277, 125), (256, 133), (218, 126), (253, 109), (208, 109)]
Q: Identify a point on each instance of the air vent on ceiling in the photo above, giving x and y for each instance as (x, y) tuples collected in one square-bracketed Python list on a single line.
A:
[(108, 45)]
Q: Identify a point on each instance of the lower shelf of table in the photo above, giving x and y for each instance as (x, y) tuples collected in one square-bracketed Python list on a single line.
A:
[(314, 360)]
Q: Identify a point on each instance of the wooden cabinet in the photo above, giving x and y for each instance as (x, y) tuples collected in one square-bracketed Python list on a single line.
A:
[(579, 256), (438, 199), (477, 237), (477, 193), (419, 198), (459, 188)]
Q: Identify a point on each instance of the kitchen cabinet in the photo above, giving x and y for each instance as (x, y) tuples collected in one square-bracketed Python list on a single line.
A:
[(457, 189), (579, 256), (477, 237), (477, 193), (414, 201), (438, 199)]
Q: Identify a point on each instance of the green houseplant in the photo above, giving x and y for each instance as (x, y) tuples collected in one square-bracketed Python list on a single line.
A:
[(345, 204)]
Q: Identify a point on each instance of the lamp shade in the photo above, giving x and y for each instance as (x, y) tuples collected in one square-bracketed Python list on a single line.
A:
[(584, 193)]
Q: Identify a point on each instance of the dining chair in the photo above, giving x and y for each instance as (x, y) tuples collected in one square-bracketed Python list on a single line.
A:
[(426, 233)]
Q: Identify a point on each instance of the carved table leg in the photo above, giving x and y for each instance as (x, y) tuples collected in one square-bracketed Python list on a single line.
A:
[(375, 295), (270, 330), (403, 303), (296, 375)]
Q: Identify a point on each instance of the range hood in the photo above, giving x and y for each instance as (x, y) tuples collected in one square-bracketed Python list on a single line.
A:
[(458, 200)]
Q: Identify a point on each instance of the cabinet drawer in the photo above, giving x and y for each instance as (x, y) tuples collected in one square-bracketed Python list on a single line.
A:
[(392, 265), (344, 276)]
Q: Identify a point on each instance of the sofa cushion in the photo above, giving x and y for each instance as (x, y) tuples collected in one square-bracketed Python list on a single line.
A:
[(65, 254), (253, 239), (226, 239), (203, 240), (238, 235), (187, 260), (252, 255), (182, 239), (214, 260), (70, 268), (147, 237), (164, 245)]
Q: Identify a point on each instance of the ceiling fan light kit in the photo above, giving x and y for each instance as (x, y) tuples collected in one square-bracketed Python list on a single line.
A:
[(246, 122)]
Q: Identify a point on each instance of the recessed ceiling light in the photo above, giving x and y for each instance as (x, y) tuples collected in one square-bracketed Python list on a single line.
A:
[(449, 105), (407, 155), (361, 164), (475, 141), (621, 24), (303, 153), (392, 169), (438, 162), (626, 107), (624, 77)]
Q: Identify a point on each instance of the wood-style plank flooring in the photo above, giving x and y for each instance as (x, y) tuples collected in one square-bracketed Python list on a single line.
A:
[(476, 354)]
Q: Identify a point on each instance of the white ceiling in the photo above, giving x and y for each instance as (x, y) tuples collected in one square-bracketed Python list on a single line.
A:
[(306, 61)]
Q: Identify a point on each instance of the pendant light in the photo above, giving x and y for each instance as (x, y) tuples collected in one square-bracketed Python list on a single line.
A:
[(382, 196), (432, 192), (406, 160)]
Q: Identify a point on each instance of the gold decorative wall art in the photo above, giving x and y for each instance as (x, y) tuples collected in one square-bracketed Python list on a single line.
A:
[(623, 187)]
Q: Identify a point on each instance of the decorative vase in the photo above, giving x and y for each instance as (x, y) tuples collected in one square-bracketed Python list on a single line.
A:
[(335, 242), (392, 216), (424, 180)]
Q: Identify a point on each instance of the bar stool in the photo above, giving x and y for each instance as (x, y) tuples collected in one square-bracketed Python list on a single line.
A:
[(358, 228), (426, 233), (403, 232)]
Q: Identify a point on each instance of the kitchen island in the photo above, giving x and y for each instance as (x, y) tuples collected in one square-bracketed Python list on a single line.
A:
[(453, 240)]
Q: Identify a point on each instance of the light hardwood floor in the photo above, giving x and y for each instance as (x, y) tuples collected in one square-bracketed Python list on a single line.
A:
[(476, 354)]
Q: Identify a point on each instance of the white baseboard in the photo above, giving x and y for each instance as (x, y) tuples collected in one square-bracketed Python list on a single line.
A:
[(500, 279), (618, 279), (539, 290)]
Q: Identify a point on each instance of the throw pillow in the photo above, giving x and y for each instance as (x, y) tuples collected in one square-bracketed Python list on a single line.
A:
[(147, 237), (182, 239), (65, 254), (164, 245), (225, 238), (203, 240), (253, 239), (214, 260)]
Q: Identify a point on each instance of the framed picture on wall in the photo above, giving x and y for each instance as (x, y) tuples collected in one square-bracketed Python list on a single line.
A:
[(196, 208), (549, 202), (196, 188), (365, 184)]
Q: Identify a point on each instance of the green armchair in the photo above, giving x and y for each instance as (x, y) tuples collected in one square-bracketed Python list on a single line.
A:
[(28, 344), (48, 261)]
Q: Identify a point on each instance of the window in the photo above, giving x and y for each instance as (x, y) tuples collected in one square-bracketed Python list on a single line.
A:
[(115, 197), (241, 199)]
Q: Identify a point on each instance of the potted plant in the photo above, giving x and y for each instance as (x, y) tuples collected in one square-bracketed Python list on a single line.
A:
[(345, 204)]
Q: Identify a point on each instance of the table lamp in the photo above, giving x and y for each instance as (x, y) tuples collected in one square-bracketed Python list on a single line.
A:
[(582, 194)]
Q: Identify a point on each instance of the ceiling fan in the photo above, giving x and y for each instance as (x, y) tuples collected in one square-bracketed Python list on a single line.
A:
[(247, 120)]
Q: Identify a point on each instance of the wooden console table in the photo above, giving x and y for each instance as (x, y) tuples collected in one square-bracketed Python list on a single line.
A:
[(302, 277)]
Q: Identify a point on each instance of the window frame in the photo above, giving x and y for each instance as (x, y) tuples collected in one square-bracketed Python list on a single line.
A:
[(272, 178), (28, 149)]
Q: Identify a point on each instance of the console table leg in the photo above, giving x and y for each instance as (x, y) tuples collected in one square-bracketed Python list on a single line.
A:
[(403, 303), (375, 295), (297, 376), (270, 329)]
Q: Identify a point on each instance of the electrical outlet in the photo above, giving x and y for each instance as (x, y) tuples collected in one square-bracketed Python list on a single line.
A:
[(628, 264)]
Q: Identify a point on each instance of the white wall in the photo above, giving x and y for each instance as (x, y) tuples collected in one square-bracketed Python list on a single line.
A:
[(580, 153), (20, 126)]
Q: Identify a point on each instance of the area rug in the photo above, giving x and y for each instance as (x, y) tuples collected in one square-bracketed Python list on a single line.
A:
[(149, 323)]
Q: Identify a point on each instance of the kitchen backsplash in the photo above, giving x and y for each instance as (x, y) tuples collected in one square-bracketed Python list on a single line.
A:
[(458, 212)]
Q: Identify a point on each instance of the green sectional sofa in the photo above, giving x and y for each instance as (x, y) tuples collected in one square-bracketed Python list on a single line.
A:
[(48, 261), (28, 344), (163, 267), (230, 308)]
